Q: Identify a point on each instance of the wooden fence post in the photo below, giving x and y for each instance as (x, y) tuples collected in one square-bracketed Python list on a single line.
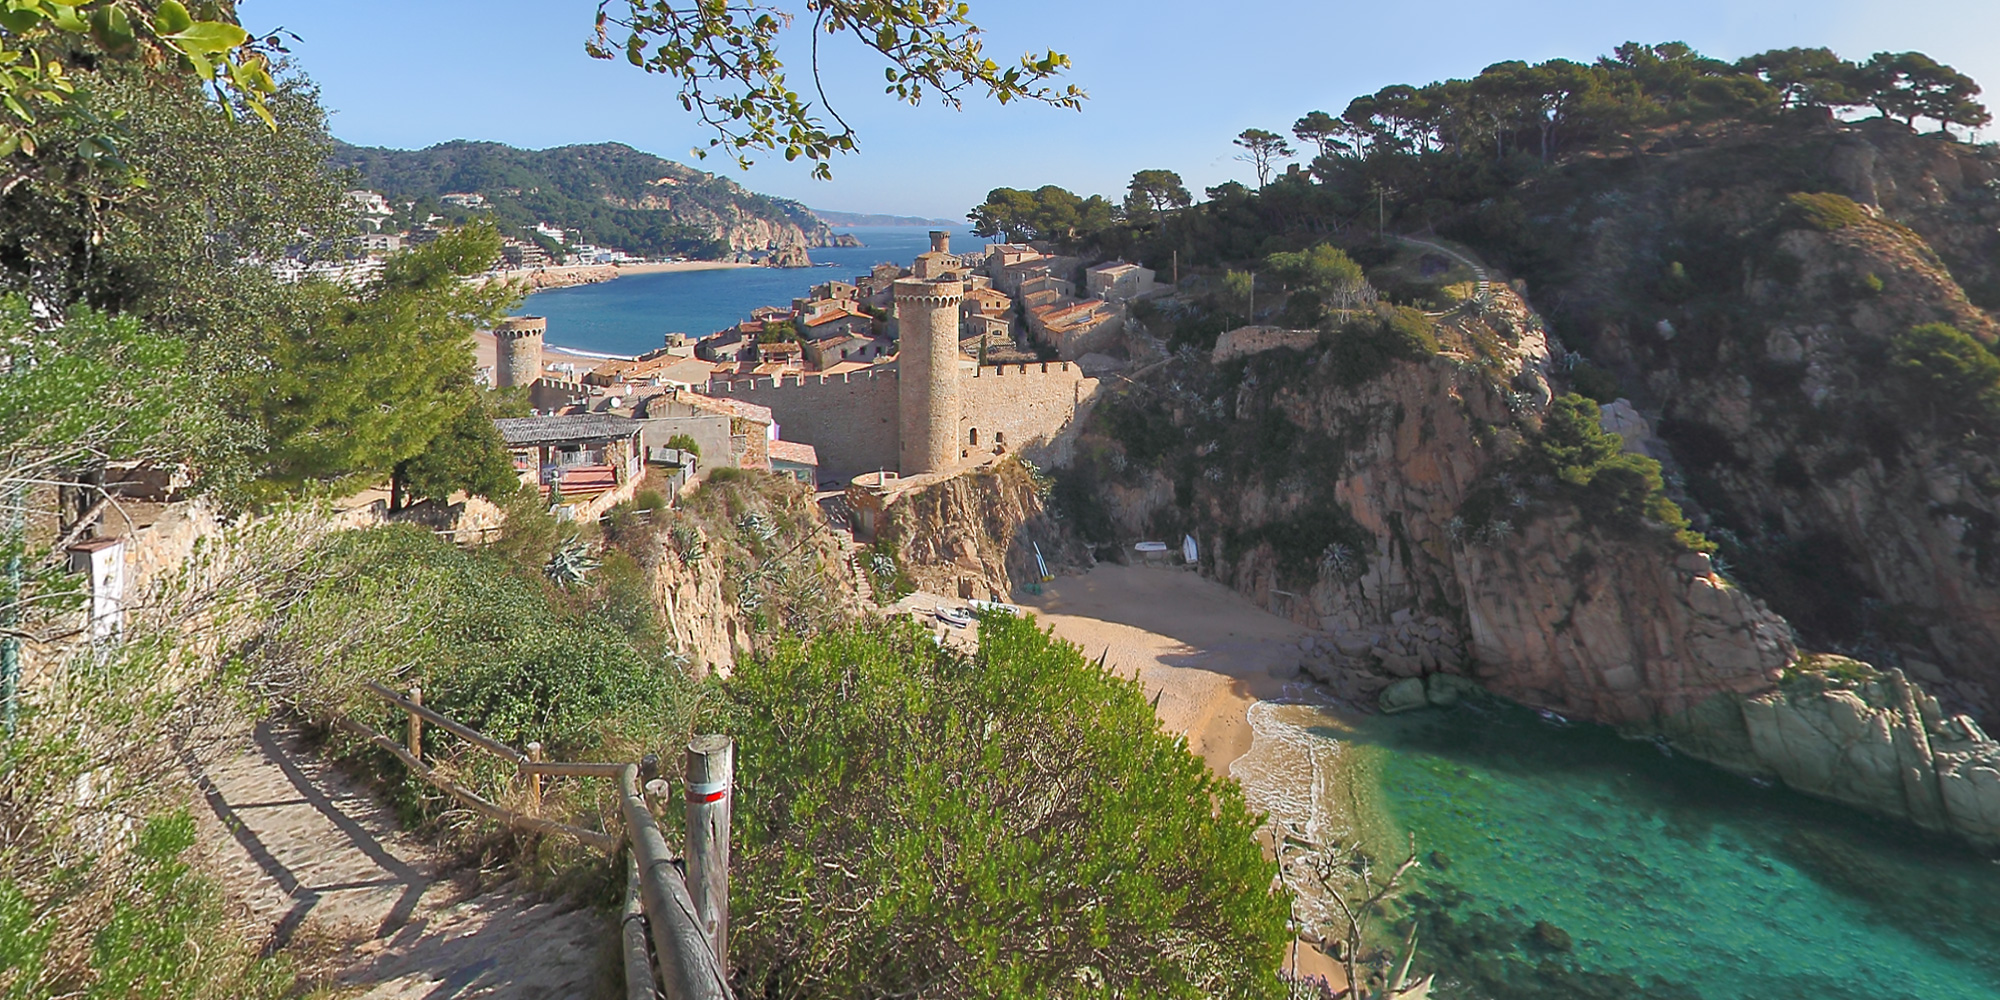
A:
[(535, 780), (416, 725), (711, 773)]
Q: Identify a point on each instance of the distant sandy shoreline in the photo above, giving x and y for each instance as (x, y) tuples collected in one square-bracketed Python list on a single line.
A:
[(543, 278)]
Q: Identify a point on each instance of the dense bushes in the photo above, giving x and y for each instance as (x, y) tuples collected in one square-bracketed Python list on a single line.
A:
[(1824, 211), (916, 821), (1943, 376), (492, 647), (585, 671), (1574, 459), (1612, 488), (1364, 348)]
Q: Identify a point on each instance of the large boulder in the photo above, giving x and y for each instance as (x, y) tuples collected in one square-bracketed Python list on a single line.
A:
[(1406, 695)]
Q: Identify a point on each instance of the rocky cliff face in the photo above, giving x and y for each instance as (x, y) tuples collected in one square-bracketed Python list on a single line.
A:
[(1755, 328), (740, 564), (1387, 512), (975, 534)]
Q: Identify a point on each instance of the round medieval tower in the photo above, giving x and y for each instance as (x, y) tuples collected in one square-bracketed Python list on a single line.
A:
[(517, 350), (927, 373)]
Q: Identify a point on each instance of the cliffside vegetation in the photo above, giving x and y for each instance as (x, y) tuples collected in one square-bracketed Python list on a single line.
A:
[(1796, 296), (1011, 822)]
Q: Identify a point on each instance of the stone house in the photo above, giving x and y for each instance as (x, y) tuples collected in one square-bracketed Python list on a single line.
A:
[(1118, 281)]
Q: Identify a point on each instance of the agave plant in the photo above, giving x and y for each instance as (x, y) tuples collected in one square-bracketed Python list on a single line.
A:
[(757, 526), (570, 563), (689, 544)]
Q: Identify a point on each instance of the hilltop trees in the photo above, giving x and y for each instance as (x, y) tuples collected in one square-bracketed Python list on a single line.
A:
[(1046, 213), (1261, 149), (1911, 85), (1152, 192)]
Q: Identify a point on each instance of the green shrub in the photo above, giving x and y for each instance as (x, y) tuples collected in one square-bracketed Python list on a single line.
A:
[(1593, 383), (684, 442), (725, 474), (1823, 210), (493, 648), (1364, 348), (1611, 488), (167, 936), (1012, 823), (886, 572), (1944, 376)]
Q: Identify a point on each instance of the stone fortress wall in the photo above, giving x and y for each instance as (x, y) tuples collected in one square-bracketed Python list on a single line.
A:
[(852, 419), (1020, 406), (849, 419)]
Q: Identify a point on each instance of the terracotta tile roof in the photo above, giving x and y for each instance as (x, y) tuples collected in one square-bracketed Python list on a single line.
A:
[(794, 452), (727, 407)]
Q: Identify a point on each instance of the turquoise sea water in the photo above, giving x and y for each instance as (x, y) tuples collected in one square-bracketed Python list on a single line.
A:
[(632, 315), (1673, 880)]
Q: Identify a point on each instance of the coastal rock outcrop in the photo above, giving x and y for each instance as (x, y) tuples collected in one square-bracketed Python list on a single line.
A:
[(1353, 506), (1750, 293), (976, 534)]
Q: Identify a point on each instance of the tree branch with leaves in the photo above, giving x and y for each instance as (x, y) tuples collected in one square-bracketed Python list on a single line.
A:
[(725, 53)]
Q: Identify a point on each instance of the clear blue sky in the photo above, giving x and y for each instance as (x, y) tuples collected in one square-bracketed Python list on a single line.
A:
[(1170, 80)]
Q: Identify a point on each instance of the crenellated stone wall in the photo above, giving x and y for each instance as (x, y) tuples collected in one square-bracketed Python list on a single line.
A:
[(849, 419)]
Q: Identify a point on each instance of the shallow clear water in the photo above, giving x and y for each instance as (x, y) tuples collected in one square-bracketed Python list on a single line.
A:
[(1672, 879), (632, 315)]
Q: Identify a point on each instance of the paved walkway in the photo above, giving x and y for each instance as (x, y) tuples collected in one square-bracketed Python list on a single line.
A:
[(323, 865), (1480, 284)]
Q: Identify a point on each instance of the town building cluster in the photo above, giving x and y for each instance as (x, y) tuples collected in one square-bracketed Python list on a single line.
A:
[(902, 371)]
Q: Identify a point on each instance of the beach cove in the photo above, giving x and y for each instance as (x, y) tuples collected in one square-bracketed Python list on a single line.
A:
[(1655, 876), (632, 314)]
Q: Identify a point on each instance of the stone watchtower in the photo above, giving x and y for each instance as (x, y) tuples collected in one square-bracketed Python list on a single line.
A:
[(927, 406), (517, 351)]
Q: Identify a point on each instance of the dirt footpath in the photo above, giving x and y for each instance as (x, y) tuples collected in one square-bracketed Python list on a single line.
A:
[(323, 870)]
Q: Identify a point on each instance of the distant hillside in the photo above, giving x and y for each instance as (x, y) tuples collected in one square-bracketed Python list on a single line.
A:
[(861, 219), (616, 196)]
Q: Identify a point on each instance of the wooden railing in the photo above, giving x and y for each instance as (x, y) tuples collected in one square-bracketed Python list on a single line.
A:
[(675, 927)]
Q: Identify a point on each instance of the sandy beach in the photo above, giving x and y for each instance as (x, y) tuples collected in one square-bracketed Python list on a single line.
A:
[(539, 278), (1203, 648)]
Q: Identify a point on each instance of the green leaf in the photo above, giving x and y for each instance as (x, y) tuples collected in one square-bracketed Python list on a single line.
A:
[(208, 37), (113, 30), (18, 21), (171, 17)]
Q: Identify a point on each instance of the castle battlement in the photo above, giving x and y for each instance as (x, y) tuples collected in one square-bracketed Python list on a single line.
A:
[(762, 383), (1027, 368)]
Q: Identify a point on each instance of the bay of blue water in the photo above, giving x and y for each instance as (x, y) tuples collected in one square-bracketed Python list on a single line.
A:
[(633, 314), (1673, 880)]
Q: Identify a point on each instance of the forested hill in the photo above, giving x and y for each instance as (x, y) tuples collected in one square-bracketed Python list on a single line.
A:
[(616, 196), (865, 219)]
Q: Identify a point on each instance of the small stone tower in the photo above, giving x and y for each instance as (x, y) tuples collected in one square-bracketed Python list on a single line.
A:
[(939, 263), (927, 373), (517, 351)]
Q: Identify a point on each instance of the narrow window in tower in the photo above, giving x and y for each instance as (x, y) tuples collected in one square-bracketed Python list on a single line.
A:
[(975, 438)]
